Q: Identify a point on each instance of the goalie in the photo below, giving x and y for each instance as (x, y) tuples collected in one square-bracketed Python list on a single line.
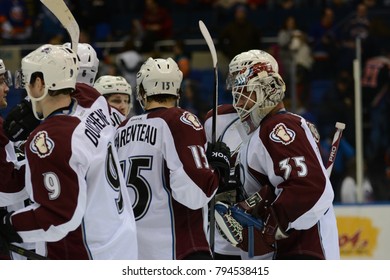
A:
[(289, 212)]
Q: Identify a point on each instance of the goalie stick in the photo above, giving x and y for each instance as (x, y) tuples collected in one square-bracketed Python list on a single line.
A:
[(65, 16), (206, 35)]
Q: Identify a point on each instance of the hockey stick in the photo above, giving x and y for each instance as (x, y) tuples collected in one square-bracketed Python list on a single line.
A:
[(65, 16), (210, 44), (335, 146), (26, 253), (206, 35)]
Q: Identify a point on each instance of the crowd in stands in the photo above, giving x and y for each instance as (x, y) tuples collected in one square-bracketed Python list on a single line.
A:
[(315, 45)]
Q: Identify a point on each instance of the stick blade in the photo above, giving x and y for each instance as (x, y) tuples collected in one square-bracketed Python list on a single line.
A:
[(65, 16), (206, 35)]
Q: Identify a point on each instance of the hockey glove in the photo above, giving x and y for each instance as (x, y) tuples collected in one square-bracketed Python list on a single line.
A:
[(20, 122), (241, 229), (7, 232), (251, 224), (218, 156), (260, 206)]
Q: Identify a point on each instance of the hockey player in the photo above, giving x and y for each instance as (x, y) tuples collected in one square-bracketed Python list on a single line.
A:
[(231, 131), (21, 121), (117, 91), (81, 208), (167, 169), (282, 171), (12, 172), (12, 191)]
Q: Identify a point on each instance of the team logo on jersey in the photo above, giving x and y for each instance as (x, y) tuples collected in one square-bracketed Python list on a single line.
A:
[(314, 131), (192, 120), (282, 134), (41, 144)]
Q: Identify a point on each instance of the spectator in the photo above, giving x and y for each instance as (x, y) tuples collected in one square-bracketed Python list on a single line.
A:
[(284, 41), (349, 189), (15, 22), (157, 24), (324, 45), (239, 35), (182, 58), (376, 105), (49, 28), (189, 99), (356, 27), (303, 60), (128, 62)]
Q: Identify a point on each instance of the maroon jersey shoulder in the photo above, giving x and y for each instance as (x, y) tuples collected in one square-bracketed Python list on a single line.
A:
[(178, 119), (53, 134), (223, 109), (283, 136), (85, 95)]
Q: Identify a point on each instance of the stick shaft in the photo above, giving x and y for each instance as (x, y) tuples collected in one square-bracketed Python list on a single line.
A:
[(213, 52), (26, 253)]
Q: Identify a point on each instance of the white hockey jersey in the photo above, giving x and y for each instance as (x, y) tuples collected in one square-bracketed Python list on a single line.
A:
[(283, 153), (81, 206), (12, 173), (162, 154), (116, 117), (227, 132)]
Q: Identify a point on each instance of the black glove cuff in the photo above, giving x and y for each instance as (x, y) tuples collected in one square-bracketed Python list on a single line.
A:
[(7, 230)]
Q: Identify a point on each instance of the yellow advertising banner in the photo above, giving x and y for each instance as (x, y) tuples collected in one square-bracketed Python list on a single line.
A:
[(364, 231)]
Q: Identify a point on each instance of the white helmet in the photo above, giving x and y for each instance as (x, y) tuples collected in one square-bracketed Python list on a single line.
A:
[(258, 84), (158, 76), (2, 67), (58, 64), (246, 59), (112, 84), (6, 73), (89, 63)]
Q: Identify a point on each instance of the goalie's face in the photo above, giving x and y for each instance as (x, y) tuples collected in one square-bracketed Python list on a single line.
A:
[(244, 100)]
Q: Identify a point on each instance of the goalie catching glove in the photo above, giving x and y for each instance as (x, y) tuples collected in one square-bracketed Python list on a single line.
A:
[(218, 156), (251, 224)]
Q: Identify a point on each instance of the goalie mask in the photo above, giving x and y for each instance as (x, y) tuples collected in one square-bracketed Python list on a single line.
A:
[(158, 76), (58, 65), (257, 90), (247, 59)]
